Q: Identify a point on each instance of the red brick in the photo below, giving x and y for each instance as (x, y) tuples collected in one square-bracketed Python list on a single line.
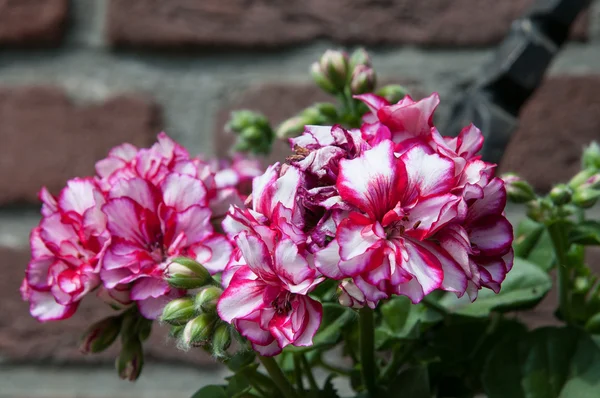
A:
[(559, 120), (32, 22), (45, 139), (23, 339), (252, 23)]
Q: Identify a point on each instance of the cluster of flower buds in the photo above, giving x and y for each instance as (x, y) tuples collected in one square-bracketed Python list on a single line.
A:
[(195, 323), (318, 114), (253, 130), (586, 184), (133, 329), (336, 71)]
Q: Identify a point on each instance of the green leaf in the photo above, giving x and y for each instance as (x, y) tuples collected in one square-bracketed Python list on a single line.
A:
[(546, 363), (413, 383), (524, 286), (402, 320), (527, 235), (532, 242), (210, 392), (240, 360), (586, 233)]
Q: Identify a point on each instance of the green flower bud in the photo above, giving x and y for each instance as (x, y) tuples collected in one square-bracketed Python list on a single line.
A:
[(392, 92), (130, 362), (359, 57), (517, 189), (327, 110), (252, 135), (591, 156), (206, 299), (243, 119), (586, 198), (581, 178), (179, 311), (290, 128), (101, 335), (198, 331), (185, 273), (581, 284), (221, 340), (363, 80), (176, 331), (334, 65), (144, 328), (321, 79), (561, 194), (593, 324), (535, 210)]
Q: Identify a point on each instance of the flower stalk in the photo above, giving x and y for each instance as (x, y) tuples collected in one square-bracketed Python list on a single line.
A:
[(367, 350), (278, 377), (560, 243)]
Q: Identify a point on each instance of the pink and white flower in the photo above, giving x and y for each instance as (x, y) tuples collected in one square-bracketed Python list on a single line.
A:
[(150, 225), (400, 203), (267, 297), (65, 248)]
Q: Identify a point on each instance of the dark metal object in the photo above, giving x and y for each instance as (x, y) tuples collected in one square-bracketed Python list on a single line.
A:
[(493, 101)]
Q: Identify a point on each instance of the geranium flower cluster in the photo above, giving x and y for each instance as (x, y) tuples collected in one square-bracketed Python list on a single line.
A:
[(117, 232), (392, 208)]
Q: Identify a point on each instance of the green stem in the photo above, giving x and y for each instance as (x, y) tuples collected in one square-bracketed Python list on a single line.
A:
[(278, 377), (298, 370), (311, 379), (367, 350), (560, 242)]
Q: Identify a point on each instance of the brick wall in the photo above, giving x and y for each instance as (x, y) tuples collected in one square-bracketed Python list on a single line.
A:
[(79, 76)]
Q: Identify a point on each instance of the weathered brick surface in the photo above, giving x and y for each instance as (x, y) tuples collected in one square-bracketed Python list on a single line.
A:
[(32, 22), (250, 23), (23, 339), (559, 120), (46, 139)]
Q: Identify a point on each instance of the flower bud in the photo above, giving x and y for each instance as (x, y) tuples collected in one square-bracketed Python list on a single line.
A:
[(363, 80), (198, 331), (581, 284), (241, 120), (176, 331), (185, 273), (359, 57), (252, 135), (131, 360), (221, 340), (581, 178), (334, 65), (586, 198), (593, 324), (290, 128), (591, 156), (392, 92), (206, 299), (179, 311), (561, 194), (322, 81), (101, 335), (517, 189), (327, 110)]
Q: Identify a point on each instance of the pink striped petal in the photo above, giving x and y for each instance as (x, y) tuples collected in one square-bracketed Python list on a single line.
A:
[(374, 181), (181, 191), (428, 173)]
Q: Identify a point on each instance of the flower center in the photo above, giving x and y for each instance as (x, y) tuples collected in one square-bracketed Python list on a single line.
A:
[(157, 248), (398, 228), (283, 303)]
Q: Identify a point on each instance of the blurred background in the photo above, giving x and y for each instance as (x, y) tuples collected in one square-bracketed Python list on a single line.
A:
[(78, 77)]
